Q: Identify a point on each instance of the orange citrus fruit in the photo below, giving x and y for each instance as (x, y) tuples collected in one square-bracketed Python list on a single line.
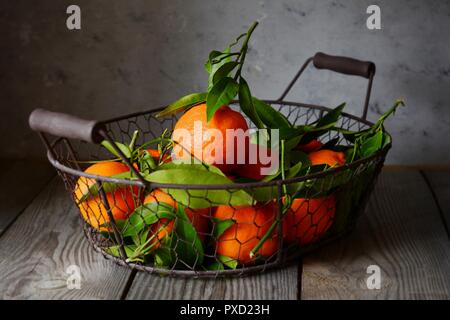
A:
[(203, 144), (122, 200), (251, 224), (311, 146), (253, 170), (164, 226), (308, 219), (155, 154), (329, 157)]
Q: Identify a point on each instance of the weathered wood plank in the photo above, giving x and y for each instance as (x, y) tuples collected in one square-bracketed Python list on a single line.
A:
[(20, 182), (440, 183), (42, 243), (274, 285), (402, 233)]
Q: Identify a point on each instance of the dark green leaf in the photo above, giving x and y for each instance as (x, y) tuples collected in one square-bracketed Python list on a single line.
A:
[(164, 257), (329, 120), (199, 198), (272, 118), (246, 103), (372, 144), (146, 215), (179, 164), (220, 226), (107, 186), (146, 162), (220, 94), (122, 147), (187, 244), (115, 250), (294, 170), (229, 262), (212, 55), (224, 71), (183, 103)]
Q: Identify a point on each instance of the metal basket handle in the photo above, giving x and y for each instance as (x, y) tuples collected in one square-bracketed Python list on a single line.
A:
[(66, 126), (72, 127), (344, 65)]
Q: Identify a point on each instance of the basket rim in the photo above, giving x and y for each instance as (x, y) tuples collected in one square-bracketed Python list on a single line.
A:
[(241, 185)]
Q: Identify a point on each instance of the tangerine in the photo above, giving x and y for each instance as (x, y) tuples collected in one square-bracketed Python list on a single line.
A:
[(122, 200), (251, 224), (308, 219), (329, 157), (164, 226), (205, 144)]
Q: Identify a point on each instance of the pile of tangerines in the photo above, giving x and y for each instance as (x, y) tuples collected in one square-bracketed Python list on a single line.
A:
[(165, 227), (305, 221)]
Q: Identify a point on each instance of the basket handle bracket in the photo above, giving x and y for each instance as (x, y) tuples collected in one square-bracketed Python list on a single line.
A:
[(72, 127), (344, 65)]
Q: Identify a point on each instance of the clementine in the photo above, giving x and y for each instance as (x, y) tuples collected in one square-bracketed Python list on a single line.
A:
[(311, 146), (198, 217), (308, 219), (329, 157), (122, 200), (195, 137), (251, 224)]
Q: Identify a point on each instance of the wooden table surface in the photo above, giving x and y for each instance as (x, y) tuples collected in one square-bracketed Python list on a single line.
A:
[(404, 231)]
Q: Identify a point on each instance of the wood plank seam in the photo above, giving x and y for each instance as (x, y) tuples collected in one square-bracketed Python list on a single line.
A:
[(438, 205), (128, 285), (2, 232), (299, 279)]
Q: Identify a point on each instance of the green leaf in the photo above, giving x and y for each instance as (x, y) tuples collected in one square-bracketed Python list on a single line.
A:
[(246, 103), (107, 186), (183, 103), (115, 250), (122, 147), (329, 120), (146, 215), (229, 262), (220, 94), (323, 125), (380, 122), (146, 162), (213, 54), (187, 244), (220, 226), (224, 71), (163, 257), (372, 144), (180, 164), (272, 118), (294, 170), (194, 198), (141, 238)]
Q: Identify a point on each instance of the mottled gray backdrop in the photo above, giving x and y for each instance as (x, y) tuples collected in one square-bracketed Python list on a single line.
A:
[(135, 55)]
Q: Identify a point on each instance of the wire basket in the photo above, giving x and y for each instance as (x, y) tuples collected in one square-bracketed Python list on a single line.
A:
[(211, 239)]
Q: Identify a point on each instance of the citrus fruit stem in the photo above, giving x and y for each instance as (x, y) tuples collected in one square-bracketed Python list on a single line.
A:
[(285, 207)]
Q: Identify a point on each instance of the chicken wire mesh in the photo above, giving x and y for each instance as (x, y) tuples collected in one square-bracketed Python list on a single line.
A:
[(140, 224)]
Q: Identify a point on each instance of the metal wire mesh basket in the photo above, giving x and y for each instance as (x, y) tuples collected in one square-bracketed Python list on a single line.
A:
[(325, 206)]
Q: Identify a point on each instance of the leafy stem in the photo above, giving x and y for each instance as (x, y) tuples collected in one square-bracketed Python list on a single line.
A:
[(243, 53), (286, 205)]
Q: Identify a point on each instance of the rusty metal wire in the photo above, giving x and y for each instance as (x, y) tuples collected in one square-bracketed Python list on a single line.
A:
[(325, 206)]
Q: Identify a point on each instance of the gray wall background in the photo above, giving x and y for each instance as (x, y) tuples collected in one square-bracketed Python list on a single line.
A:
[(136, 55)]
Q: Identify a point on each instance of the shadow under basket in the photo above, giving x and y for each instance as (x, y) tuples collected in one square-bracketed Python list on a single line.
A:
[(168, 237)]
